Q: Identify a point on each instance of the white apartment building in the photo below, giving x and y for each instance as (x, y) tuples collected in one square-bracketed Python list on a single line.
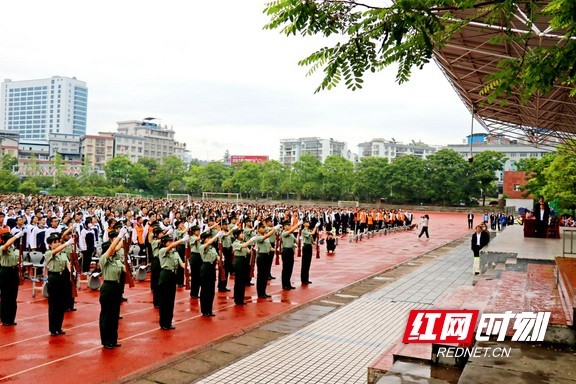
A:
[(146, 138), (392, 149), (66, 145), (97, 150), (291, 150), (513, 150), (37, 108)]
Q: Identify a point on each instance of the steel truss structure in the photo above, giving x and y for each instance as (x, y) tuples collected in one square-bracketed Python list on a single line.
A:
[(474, 52)]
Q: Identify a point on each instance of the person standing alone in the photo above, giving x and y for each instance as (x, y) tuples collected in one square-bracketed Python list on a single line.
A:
[(424, 225), (480, 239)]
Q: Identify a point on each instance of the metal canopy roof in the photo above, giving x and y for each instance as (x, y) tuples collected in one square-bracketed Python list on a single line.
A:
[(472, 54)]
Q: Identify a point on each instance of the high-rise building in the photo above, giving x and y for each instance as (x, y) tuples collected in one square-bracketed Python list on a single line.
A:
[(291, 150), (37, 108), (392, 149)]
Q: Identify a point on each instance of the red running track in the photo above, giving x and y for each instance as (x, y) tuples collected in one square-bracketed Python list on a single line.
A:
[(29, 354)]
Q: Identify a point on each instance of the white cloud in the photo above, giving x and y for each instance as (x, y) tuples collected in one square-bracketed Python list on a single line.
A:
[(210, 71)]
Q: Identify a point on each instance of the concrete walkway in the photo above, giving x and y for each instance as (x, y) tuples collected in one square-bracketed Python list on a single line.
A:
[(339, 347)]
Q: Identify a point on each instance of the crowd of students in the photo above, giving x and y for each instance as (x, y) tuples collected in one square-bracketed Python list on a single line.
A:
[(174, 240)]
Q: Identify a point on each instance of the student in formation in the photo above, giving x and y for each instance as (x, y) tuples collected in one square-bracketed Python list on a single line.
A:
[(169, 262), (262, 260), (110, 291), (288, 241), (307, 238), (9, 278), (57, 263), (208, 272)]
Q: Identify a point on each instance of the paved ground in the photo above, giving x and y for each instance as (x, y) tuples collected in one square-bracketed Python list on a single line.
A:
[(339, 347), (29, 354)]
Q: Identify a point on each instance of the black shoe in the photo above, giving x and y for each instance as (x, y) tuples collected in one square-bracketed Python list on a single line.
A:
[(124, 298), (224, 290), (116, 345), (194, 297), (249, 284), (180, 285), (53, 333), (109, 346), (264, 296), (291, 287), (8, 324), (306, 282), (169, 328), (61, 332), (241, 303), (120, 317), (286, 288), (156, 306), (208, 314), (271, 277)]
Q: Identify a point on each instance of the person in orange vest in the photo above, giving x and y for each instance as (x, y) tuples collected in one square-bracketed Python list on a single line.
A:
[(370, 221)]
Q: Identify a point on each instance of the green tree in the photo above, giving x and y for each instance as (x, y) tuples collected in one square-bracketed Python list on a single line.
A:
[(8, 182), (140, 177), (446, 173), (483, 168), (534, 168), (29, 187), (247, 178), (9, 161), (338, 177), (370, 179), (32, 165), (307, 171), (561, 178), (193, 178), (407, 179), (272, 176), (43, 181), (374, 35), (213, 175), (118, 170), (58, 167)]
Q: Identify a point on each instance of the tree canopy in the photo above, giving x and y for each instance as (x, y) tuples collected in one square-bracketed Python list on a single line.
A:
[(372, 35)]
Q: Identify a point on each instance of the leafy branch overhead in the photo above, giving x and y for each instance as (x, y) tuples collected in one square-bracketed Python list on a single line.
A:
[(370, 37)]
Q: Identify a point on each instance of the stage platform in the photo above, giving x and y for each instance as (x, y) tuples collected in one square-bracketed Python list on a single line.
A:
[(512, 241)]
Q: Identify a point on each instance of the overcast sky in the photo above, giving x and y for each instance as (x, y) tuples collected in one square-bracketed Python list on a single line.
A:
[(211, 72)]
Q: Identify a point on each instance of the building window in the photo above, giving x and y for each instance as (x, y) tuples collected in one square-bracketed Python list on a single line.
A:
[(516, 187)]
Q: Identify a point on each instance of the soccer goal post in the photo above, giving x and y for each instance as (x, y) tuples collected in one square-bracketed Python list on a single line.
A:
[(178, 196), (221, 196), (128, 195), (347, 203)]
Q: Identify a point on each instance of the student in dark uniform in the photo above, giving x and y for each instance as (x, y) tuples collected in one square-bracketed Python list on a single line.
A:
[(263, 258), (270, 258), (307, 238), (58, 282), (240, 249), (288, 241), (195, 262), (9, 278), (154, 241), (169, 262), (208, 272), (110, 292)]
